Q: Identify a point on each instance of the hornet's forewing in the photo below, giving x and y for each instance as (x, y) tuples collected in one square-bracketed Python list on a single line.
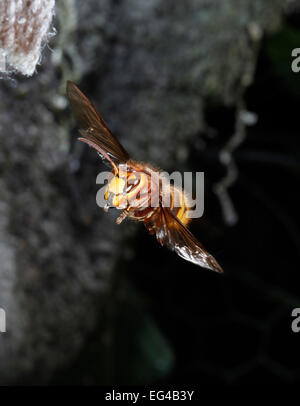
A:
[(93, 128)]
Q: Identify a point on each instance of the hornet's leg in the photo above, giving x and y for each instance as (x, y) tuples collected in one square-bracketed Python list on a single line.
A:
[(123, 215)]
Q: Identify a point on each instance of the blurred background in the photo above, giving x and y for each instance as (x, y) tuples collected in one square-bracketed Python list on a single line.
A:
[(194, 85)]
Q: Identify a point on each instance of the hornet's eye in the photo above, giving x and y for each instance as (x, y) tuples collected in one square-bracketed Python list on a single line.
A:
[(128, 189)]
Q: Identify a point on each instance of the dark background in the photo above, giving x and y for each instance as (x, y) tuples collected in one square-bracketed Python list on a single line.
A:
[(108, 305)]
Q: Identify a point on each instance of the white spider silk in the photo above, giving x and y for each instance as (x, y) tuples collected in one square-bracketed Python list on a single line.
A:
[(24, 25)]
